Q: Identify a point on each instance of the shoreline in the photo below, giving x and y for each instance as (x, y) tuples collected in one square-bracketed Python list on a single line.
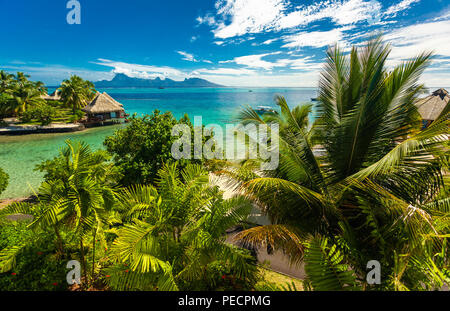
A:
[(6, 202), (39, 129)]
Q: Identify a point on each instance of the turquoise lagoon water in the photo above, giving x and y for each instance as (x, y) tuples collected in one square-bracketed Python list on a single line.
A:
[(20, 154)]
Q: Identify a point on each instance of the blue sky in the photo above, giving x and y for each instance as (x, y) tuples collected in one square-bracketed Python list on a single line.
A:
[(231, 42)]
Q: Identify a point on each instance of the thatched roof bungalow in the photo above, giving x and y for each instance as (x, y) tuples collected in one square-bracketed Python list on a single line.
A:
[(431, 107), (55, 96), (104, 108)]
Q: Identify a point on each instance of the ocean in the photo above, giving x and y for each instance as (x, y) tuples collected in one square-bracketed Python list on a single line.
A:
[(20, 154)]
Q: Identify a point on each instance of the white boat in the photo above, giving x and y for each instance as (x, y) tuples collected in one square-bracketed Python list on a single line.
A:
[(265, 109)]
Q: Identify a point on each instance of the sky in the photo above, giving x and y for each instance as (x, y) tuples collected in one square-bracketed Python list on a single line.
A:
[(230, 42)]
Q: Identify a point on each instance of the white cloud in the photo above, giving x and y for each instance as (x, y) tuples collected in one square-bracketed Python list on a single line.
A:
[(248, 16), (270, 41), (409, 41), (141, 71), (187, 56), (305, 79), (208, 20), (315, 39), (254, 61), (256, 16), (401, 6), (224, 71)]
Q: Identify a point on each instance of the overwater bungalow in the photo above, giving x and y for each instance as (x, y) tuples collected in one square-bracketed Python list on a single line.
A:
[(104, 110), (431, 107)]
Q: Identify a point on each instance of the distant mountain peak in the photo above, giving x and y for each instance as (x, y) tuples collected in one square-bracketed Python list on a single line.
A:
[(122, 80)]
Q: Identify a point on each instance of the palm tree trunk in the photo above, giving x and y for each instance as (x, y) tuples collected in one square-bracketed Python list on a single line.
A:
[(83, 261), (58, 236), (93, 257)]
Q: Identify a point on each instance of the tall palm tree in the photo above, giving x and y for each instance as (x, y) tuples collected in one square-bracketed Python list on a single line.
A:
[(25, 97), (172, 232), (23, 92), (363, 183), (6, 80), (76, 92)]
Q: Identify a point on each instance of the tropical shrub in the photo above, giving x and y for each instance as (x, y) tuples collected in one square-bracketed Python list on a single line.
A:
[(221, 276), (77, 116), (27, 116), (42, 113), (76, 197), (173, 236), (362, 183), (45, 114), (142, 148), (36, 268), (4, 177)]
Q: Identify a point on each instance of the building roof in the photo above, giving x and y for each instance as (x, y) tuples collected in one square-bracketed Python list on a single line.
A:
[(103, 103), (56, 95), (432, 106)]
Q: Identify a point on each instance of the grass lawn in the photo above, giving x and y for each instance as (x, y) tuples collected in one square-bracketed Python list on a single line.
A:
[(63, 114), (280, 279)]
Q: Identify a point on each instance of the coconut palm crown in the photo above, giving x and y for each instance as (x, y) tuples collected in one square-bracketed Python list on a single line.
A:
[(362, 183)]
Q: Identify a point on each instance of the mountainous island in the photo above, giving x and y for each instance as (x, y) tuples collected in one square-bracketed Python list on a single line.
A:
[(122, 80)]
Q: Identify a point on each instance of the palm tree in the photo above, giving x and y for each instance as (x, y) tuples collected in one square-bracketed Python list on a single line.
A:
[(76, 92), (363, 183), (172, 232), (6, 81), (23, 92), (25, 97), (78, 194)]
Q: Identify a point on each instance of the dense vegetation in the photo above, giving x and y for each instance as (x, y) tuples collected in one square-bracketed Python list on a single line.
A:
[(18, 94), (22, 98), (362, 182), (141, 148), (3, 180)]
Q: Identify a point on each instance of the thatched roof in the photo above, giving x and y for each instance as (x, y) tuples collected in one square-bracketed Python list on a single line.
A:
[(107, 95), (56, 95), (103, 103), (432, 106)]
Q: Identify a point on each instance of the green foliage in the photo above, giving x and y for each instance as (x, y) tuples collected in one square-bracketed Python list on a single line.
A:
[(36, 268), (76, 197), (142, 148), (3, 180), (326, 267), (363, 177), (43, 113), (19, 93), (77, 116), (5, 105), (173, 235), (27, 116), (76, 93), (220, 276)]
